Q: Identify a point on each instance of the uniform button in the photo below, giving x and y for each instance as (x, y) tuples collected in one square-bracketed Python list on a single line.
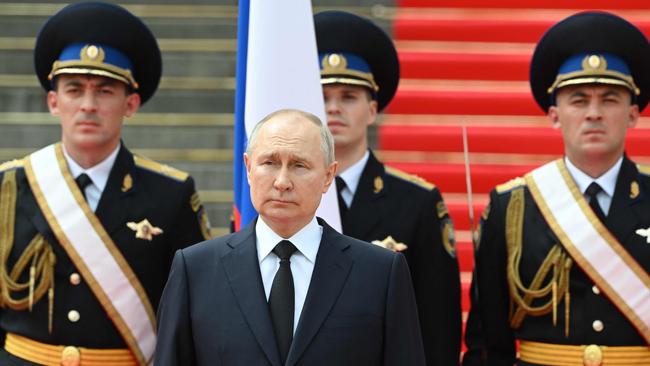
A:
[(598, 325), (595, 289), (73, 316), (75, 279)]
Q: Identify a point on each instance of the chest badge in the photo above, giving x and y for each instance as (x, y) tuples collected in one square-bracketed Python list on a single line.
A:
[(644, 233), (127, 183), (390, 243), (144, 230)]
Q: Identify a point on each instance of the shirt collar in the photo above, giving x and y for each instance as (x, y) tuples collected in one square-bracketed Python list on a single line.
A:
[(352, 175), (307, 240), (98, 173), (606, 181)]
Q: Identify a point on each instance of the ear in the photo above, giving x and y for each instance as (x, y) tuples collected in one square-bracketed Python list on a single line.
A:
[(330, 173), (132, 104), (247, 163), (634, 115), (373, 112), (554, 117), (53, 102)]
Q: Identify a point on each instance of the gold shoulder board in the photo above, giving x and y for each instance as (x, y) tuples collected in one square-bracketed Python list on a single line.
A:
[(12, 164), (418, 181), (643, 169), (159, 168), (510, 185)]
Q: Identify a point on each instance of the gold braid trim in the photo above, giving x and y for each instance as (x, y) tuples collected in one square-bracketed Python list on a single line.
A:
[(557, 263), (38, 255)]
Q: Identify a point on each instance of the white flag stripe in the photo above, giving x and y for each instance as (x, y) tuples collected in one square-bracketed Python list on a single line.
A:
[(282, 71)]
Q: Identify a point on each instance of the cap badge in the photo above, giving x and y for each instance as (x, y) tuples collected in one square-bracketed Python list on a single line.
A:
[(594, 62), (144, 229), (92, 53), (379, 184), (390, 243), (127, 183), (335, 61)]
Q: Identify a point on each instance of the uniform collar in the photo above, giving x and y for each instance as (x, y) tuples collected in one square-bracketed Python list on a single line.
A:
[(352, 175), (98, 173), (607, 181)]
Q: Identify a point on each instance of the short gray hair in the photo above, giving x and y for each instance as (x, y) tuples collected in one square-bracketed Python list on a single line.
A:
[(326, 138)]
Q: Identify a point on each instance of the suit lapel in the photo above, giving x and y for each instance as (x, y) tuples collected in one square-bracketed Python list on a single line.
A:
[(330, 273), (113, 208), (243, 272), (623, 217), (364, 213)]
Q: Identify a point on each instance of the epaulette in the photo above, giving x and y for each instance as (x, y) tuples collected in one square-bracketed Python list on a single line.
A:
[(643, 169), (159, 168), (12, 164), (510, 185), (418, 181)]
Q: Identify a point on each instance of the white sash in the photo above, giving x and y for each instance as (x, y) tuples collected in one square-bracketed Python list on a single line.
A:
[(590, 244), (92, 250)]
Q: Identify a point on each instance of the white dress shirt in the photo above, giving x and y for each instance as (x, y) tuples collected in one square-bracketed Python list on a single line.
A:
[(98, 174), (606, 181), (307, 241), (351, 177)]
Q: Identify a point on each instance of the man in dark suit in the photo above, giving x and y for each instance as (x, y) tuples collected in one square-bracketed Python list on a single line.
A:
[(380, 204), (88, 230), (332, 300), (562, 264)]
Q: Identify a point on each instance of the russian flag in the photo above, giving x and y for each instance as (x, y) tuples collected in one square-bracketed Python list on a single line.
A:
[(277, 68)]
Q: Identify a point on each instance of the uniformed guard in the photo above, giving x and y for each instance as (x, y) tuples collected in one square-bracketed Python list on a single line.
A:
[(380, 204), (87, 229), (563, 259)]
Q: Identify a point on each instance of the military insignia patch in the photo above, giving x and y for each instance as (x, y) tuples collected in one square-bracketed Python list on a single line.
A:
[(390, 243), (441, 208), (204, 223), (634, 190), (644, 233), (448, 236), (127, 183), (486, 212), (379, 184), (195, 202), (144, 230)]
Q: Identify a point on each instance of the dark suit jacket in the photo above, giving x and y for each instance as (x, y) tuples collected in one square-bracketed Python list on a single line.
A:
[(489, 335), (407, 209), (163, 199), (359, 309)]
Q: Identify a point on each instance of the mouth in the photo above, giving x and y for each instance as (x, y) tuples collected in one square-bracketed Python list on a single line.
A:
[(335, 123)]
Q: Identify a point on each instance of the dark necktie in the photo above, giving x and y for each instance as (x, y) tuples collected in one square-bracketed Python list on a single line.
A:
[(282, 298), (340, 186), (83, 181), (591, 192)]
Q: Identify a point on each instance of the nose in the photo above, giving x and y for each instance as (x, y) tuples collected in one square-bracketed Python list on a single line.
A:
[(594, 111), (89, 102), (282, 181), (332, 106)]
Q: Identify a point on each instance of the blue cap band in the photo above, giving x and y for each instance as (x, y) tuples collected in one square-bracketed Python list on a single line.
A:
[(94, 59), (346, 68)]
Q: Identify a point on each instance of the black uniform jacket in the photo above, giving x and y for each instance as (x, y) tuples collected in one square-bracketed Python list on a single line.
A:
[(163, 195), (359, 309), (489, 324), (389, 202)]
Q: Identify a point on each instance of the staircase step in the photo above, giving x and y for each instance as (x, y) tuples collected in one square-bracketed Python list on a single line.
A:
[(507, 29), (491, 139), (459, 102), (517, 4), (468, 120), (464, 66)]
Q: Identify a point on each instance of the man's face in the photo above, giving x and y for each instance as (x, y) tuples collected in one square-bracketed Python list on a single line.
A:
[(91, 110), (287, 172), (350, 111), (593, 120)]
